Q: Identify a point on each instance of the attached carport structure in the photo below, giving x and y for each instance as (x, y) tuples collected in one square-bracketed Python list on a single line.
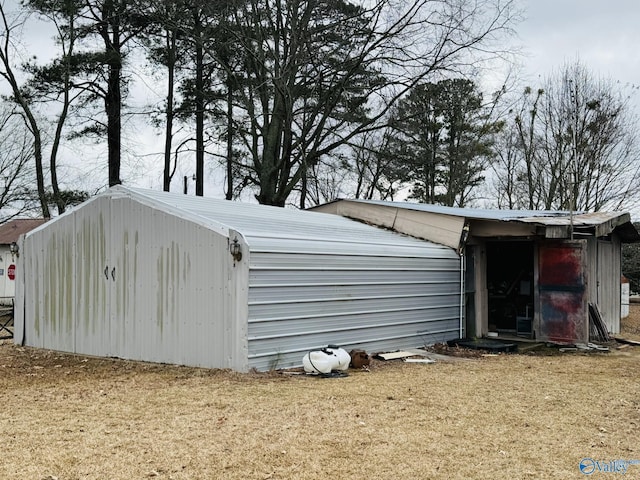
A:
[(529, 273)]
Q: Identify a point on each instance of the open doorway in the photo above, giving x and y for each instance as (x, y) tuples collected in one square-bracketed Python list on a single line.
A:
[(510, 266)]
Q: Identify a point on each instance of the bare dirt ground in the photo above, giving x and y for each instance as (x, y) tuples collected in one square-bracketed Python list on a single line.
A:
[(513, 416)]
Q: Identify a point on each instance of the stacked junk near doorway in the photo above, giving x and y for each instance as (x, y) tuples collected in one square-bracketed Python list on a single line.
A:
[(510, 270), (546, 276)]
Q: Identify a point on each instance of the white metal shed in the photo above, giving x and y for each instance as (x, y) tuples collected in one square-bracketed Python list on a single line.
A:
[(149, 275)]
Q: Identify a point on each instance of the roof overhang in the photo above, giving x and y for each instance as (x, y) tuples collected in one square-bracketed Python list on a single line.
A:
[(435, 227), (598, 224), (446, 225)]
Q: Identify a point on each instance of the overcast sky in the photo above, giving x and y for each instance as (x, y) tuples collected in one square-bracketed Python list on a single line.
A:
[(602, 34)]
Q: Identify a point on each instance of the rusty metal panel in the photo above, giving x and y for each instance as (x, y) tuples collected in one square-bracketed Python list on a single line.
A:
[(562, 287)]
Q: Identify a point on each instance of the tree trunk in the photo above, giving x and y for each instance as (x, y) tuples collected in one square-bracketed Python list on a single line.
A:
[(113, 103), (168, 134), (229, 193), (199, 100), (37, 148)]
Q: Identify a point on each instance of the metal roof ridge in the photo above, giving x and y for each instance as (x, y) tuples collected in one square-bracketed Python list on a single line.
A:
[(152, 201)]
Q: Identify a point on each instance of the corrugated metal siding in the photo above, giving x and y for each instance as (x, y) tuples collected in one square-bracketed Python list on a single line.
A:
[(148, 275), (91, 228), (118, 278), (398, 294), (170, 297), (319, 278), (605, 271), (609, 273), (49, 299)]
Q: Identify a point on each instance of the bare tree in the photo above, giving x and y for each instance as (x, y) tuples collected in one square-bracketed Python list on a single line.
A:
[(323, 182), (507, 184), (376, 172), (17, 172), (55, 84), (577, 147), (319, 74), (601, 158), (7, 72)]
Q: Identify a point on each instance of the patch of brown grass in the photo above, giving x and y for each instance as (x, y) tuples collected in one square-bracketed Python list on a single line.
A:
[(502, 417), (630, 325)]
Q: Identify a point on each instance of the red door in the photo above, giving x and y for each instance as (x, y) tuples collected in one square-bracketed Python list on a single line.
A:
[(562, 292)]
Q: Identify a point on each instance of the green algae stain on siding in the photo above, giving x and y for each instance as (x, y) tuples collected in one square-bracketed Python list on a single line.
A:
[(50, 282), (186, 266), (84, 269), (160, 292), (124, 280), (92, 271), (36, 319), (173, 270), (174, 281), (69, 280), (135, 273), (102, 256)]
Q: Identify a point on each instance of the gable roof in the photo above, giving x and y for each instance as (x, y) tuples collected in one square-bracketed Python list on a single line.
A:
[(268, 225), (11, 231)]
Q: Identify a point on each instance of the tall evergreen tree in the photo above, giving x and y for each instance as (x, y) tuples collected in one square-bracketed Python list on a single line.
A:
[(443, 139), (114, 24), (319, 73)]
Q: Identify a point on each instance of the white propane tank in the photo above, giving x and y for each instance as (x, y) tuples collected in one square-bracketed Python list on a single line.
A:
[(343, 357), (319, 361), (326, 360)]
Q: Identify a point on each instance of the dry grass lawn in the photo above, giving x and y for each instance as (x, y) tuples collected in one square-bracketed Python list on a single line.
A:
[(511, 416)]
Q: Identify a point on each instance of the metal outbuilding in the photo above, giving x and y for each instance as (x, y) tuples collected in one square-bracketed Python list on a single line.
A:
[(162, 277), (527, 273)]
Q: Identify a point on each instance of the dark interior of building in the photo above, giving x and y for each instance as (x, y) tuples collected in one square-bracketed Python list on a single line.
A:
[(510, 266)]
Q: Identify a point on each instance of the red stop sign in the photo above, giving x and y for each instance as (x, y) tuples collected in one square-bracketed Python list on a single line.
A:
[(11, 272)]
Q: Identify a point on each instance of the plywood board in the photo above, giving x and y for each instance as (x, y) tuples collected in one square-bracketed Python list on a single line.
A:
[(373, 214), (485, 228), (438, 228), (419, 360), (395, 355)]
